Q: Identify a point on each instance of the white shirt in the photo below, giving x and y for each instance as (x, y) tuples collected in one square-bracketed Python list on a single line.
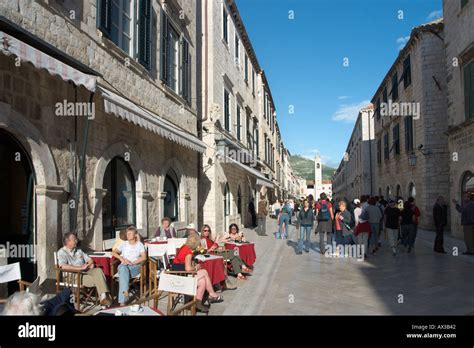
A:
[(131, 252), (357, 212)]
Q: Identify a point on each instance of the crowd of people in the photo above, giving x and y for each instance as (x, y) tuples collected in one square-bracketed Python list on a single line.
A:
[(364, 220)]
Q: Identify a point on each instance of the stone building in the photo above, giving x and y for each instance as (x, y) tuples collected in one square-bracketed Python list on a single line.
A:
[(410, 123), (354, 176), (98, 120), (459, 44), (239, 121)]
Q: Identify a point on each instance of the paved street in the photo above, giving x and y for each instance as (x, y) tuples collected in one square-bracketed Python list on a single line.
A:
[(430, 283)]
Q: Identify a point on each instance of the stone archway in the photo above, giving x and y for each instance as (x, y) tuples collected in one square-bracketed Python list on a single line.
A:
[(98, 192), (174, 166), (47, 193)]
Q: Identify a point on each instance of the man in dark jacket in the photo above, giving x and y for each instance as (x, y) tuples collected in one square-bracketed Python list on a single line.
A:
[(467, 220), (440, 218)]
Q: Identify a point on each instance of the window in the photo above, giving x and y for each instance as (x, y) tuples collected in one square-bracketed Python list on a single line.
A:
[(396, 138), (377, 108), (395, 87), (467, 184), (239, 201), (408, 133), (384, 95), (227, 110), (411, 190), (256, 147), (265, 106), (225, 24), (469, 90), (171, 200), (253, 81), (379, 151), (406, 72), (386, 149), (249, 134), (464, 3), (127, 26), (237, 51), (246, 71), (238, 122), (175, 59), (399, 191), (226, 200), (266, 149), (118, 205)]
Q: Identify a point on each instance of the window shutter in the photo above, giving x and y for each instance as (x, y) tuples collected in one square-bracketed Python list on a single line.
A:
[(164, 47), (185, 71), (144, 33), (464, 3), (469, 90), (104, 15)]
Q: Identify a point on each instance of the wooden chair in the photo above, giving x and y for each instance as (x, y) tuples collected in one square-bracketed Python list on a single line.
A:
[(158, 261), (10, 273), (179, 286), (108, 244), (73, 281), (139, 279)]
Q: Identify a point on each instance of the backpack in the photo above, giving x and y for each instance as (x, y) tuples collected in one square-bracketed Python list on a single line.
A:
[(323, 214)]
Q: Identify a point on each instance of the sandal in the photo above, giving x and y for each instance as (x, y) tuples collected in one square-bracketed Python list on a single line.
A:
[(241, 277), (246, 269), (217, 299)]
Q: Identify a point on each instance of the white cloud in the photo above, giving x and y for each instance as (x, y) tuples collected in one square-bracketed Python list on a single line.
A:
[(402, 41), (434, 15), (349, 113), (342, 97)]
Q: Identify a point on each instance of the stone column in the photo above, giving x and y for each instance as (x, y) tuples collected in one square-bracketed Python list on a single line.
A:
[(161, 205), (142, 211), (48, 205), (97, 195)]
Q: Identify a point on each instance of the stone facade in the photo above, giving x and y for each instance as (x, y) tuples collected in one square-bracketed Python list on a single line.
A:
[(459, 44), (353, 177), (27, 100), (418, 167)]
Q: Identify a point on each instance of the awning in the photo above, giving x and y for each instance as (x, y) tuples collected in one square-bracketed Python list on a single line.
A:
[(10, 45), (261, 179), (131, 112)]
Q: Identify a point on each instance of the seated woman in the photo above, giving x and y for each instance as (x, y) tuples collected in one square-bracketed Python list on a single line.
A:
[(122, 237), (165, 230), (238, 266), (234, 235), (184, 262), (131, 254)]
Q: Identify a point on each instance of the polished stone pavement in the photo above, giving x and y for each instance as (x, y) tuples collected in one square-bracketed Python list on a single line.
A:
[(284, 283)]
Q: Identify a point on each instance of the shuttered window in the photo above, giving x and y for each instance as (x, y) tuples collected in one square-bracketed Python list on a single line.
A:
[(175, 65), (226, 110), (464, 3), (225, 24), (394, 87), (406, 72), (238, 123), (469, 90), (144, 33), (386, 148), (379, 151), (408, 133), (396, 138)]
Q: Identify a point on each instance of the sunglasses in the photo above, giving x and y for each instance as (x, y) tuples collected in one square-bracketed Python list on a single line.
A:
[(206, 230)]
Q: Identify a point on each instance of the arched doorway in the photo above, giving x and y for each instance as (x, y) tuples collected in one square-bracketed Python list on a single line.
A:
[(388, 192), (17, 209), (171, 187), (226, 206), (399, 191), (118, 205), (467, 183), (239, 202)]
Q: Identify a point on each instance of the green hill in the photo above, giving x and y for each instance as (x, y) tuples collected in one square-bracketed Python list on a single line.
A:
[(305, 168)]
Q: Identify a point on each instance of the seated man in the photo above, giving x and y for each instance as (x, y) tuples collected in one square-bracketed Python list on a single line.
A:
[(131, 254), (71, 258)]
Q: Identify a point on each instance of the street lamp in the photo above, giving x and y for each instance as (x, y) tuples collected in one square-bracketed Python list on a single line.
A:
[(412, 159)]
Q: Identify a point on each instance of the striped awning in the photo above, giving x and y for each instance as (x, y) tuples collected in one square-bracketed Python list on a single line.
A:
[(129, 111), (10, 45)]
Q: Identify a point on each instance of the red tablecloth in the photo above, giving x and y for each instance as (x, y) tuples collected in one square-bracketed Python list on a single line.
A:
[(215, 269), (246, 252), (103, 262)]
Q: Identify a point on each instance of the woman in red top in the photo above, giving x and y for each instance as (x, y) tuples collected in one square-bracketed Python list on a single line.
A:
[(184, 262), (238, 266)]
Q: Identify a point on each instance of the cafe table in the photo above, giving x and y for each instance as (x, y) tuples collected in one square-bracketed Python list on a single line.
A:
[(246, 251), (214, 265), (127, 311)]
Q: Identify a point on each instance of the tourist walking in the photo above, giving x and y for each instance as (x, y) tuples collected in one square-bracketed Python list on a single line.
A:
[(362, 227), (283, 221), (408, 226), (374, 215), (440, 219), (262, 216), (392, 224), (324, 217), (343, 222), (305, 218), (467, 220), (417, 213)]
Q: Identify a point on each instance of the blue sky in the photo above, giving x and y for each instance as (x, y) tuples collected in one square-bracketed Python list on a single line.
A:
[(303, 60)]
